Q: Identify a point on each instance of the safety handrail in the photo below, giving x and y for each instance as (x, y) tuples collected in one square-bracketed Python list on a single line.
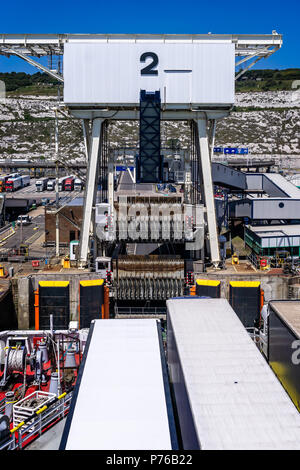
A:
[(33, 426)]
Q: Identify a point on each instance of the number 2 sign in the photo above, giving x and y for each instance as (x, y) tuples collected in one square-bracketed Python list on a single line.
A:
[(148, 70)]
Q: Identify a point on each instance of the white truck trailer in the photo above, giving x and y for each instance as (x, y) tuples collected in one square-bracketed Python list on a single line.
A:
[(62, 182), (121, 399), (25, 180), (78, 184), (41, 184), (226, 395), (51, 185)]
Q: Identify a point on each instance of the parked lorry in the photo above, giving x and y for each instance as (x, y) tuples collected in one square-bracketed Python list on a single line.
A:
[(226, 395), (51, 185), (41, 185), (3, 180), (25, 180), (282, 330), (69, 183), (78, 185), (12, 184), (2, 184), (62, 182)]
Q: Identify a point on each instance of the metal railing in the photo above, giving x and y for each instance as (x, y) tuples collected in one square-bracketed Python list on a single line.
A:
[(2, 406), (253, 260), (254, 335), (141, 311), (26, 432), (3, 401)]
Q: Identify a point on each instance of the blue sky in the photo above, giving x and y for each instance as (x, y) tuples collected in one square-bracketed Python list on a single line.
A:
[(165, 16)]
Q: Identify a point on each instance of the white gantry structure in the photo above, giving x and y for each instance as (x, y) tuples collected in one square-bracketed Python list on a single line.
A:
[(104, 74)]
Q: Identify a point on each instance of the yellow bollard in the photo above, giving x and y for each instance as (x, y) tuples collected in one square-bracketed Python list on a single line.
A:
[(235, 259), (66, 263)]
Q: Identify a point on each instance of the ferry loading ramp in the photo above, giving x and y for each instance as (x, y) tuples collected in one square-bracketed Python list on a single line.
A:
[(122, 399)]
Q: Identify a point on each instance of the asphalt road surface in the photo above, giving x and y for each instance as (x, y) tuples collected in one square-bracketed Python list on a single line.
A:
[(25, 233), (127, 186)]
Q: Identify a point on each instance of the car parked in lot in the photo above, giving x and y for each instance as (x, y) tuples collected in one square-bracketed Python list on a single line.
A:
[(24, 220)]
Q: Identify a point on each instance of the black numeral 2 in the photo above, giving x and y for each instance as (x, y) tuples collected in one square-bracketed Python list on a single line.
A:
[(148, 70)]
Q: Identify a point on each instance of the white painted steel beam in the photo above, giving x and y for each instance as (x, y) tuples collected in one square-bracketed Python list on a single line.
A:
[(212, 138), (86, 136), (208, 192), (90, 189), (134, 114), (132, 175), (40, 44), (111, 186), (36, 64), (250, 66)]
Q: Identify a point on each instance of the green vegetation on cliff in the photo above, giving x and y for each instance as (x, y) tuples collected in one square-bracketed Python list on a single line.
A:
[(19, 83), (267, 80)]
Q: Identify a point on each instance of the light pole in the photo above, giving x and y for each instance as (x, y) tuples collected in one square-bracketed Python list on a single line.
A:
[(56, 184), (21, 241)]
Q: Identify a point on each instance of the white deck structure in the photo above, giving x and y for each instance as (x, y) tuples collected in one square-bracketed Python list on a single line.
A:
[(227, 396), (120, 400)]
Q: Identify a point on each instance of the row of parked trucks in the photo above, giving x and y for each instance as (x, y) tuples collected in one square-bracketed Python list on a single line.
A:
[(66, 183), (13, 182)]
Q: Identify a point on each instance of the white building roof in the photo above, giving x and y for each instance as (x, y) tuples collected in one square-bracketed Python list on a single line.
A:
[(275, 230), (289, 188), (259, 181)]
